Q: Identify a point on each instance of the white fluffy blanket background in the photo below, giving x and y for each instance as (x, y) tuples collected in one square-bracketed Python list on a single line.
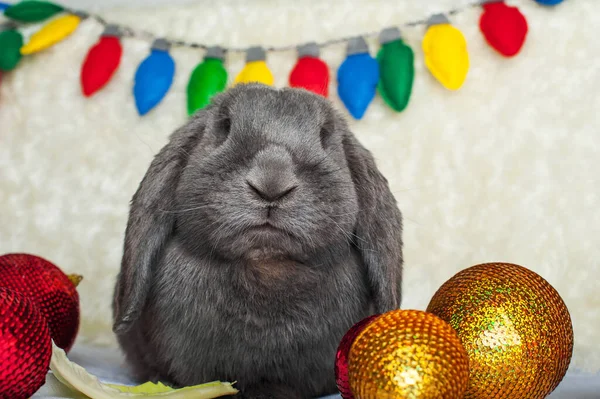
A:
[(506, 169)]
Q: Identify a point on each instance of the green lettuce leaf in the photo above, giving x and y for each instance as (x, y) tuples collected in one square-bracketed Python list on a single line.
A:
[(78, 379)]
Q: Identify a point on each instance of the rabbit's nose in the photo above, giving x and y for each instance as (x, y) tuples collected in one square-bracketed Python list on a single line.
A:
[(272, 176), (271, 192)]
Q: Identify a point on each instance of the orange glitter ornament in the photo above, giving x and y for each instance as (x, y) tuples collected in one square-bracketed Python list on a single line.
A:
[(515, 327), (407, 354)]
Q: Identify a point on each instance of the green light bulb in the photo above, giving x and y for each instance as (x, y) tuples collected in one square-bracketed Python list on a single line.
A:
[(396, 69), (207, 79), (11, 42), (32, 11)]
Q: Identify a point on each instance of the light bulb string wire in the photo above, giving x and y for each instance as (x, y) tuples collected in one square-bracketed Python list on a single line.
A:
[(126, 31)]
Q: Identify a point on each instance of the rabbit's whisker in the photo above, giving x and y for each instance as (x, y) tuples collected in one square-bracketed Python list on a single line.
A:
[(347, 234), (187, 210)]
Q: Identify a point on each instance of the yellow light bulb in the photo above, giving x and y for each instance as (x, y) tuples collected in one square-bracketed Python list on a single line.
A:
[(256, 69), (51, 33), (446, 54)]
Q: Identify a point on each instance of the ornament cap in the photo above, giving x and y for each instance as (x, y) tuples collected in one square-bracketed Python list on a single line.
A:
[(437, 19), (215, 52), (75, 279), (161, 44), (112, 30), (256, 53), (308, 50), (357, 45), (484, 2), (389, 35)]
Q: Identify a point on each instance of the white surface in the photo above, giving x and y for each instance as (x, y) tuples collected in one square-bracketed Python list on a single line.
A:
[(106, 365), (506, 169)]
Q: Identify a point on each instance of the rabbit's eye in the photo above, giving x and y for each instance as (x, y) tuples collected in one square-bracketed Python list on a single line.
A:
[(224, 127), (326, 134)]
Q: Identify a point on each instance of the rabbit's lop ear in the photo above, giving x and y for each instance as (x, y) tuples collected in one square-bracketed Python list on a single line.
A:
[(379, 226), (150, 226)]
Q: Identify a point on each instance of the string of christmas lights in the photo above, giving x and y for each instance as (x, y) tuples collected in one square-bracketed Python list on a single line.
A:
[(360, 77)]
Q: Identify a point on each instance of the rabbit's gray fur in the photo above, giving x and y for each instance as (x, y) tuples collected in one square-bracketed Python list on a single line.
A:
[(204, 294)]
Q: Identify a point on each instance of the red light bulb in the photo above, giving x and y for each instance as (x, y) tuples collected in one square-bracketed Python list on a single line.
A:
[(310, 72), (101, 62), (504, 27)]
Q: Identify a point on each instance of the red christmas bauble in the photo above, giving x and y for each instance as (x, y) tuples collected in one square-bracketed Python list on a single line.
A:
[(341, 358), (50, 290), (25, 346), (504, 27), (312, 74)]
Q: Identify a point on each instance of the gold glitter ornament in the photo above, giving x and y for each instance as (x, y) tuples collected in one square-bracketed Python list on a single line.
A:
[(514, 326), (407, 354)]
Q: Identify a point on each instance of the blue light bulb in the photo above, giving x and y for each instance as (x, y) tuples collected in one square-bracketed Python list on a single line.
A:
[(549, 2), (357, 78), (4, 6), (153, 77)]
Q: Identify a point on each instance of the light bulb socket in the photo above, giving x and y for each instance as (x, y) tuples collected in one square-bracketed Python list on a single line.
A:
[(8, 25), (79, 13), (215, 52), (357, 45), (256, 53), (389, 35), (308, 50), (437, 19), (112, 30), (161, 45)]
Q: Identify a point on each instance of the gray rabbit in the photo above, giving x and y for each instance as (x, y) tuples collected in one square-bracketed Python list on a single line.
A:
[(259, 235)]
